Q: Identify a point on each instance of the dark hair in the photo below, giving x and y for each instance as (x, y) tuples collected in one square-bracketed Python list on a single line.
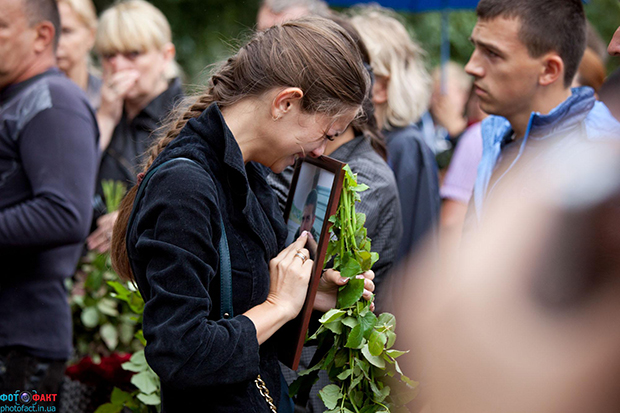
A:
[(38, 11), (314, 54), (547, 25), (312, 199)]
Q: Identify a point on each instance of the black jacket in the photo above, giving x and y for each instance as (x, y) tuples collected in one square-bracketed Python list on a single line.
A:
[(173, 247)]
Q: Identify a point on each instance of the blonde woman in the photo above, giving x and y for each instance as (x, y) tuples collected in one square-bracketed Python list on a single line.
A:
[(401, 94), (134, 41), (78, 20)]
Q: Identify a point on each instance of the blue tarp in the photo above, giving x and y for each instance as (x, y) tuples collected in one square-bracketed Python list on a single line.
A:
[(414, 5)]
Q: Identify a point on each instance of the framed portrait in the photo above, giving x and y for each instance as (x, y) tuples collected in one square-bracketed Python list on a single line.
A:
[(313, 198)]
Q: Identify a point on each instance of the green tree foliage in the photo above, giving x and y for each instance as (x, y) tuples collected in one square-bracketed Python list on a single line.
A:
[(206, 31)]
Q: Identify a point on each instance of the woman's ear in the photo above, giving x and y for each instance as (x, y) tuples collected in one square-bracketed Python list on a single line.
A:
[(169, 52), (284, 101), (380, 90)]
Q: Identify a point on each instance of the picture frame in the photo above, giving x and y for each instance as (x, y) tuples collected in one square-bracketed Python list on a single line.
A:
[(315, 190)]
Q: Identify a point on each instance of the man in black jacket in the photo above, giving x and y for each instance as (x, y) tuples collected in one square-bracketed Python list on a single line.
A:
[(48, 161)]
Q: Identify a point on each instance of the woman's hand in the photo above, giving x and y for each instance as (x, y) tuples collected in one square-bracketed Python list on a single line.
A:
[(290, 274), (331, 281), (113, 91), (100, 239)]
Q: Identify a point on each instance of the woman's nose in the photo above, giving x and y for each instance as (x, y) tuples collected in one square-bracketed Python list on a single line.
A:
[(119, 62), (320, 150)]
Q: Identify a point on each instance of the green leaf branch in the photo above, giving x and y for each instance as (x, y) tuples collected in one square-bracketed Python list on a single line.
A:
[(355, 343)]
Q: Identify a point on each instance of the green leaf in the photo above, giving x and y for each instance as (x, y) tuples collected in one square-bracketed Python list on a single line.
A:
[(150, 399), (119, 396), (395, 353), (374, 360), (303, 383), (374, 258), (109, 408), (356, 337), (379, 394), (126, 332), (388, 320), (368, 322), (90, 317), (344, 374), (129, 366), (136, 363), (365, 259), (310, 370), (108, 307), (349, 267), (357, 396), (94, 280), (330, 395), (140, 336), (329, 357), (78, 299), (350, 293), (364, 366), (109, 335), (332, 315), (360, 220), (350, 322), (342, 358), (315, 335), (122, 293), (391, 339), (376, 342), (139, 358), (335, 327), (356, 381), (371, 408), (145, 382)]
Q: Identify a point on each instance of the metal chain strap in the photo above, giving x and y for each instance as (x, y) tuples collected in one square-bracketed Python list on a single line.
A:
[(264, 391)]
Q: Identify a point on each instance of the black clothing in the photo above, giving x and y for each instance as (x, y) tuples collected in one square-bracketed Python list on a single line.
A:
[(173, 247), (48, 162), (21, 371), (125, 154)]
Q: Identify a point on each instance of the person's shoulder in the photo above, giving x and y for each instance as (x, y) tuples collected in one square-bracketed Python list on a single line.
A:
[(66, 94), (600, 123), (173, 180), (374, 169), (408, 135)]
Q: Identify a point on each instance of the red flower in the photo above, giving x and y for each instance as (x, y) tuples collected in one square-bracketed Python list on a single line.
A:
[(108, 372)]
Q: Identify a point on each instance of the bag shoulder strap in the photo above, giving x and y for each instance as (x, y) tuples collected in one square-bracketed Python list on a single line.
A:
[(226, 307)]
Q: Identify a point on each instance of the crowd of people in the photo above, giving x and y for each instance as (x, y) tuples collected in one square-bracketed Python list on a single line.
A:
[(209, 175)]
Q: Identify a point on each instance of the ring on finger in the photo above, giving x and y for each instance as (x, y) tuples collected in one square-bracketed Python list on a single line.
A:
[(302, 256)]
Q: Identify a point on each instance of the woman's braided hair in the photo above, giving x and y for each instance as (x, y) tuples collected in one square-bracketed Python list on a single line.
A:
[(314, 54)]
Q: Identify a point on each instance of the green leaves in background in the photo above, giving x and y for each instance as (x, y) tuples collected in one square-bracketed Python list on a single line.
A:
[(113, 191)]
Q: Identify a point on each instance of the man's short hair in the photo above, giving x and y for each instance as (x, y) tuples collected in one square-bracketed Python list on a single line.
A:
[(548, 25), (312, 199), (38, 11)]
